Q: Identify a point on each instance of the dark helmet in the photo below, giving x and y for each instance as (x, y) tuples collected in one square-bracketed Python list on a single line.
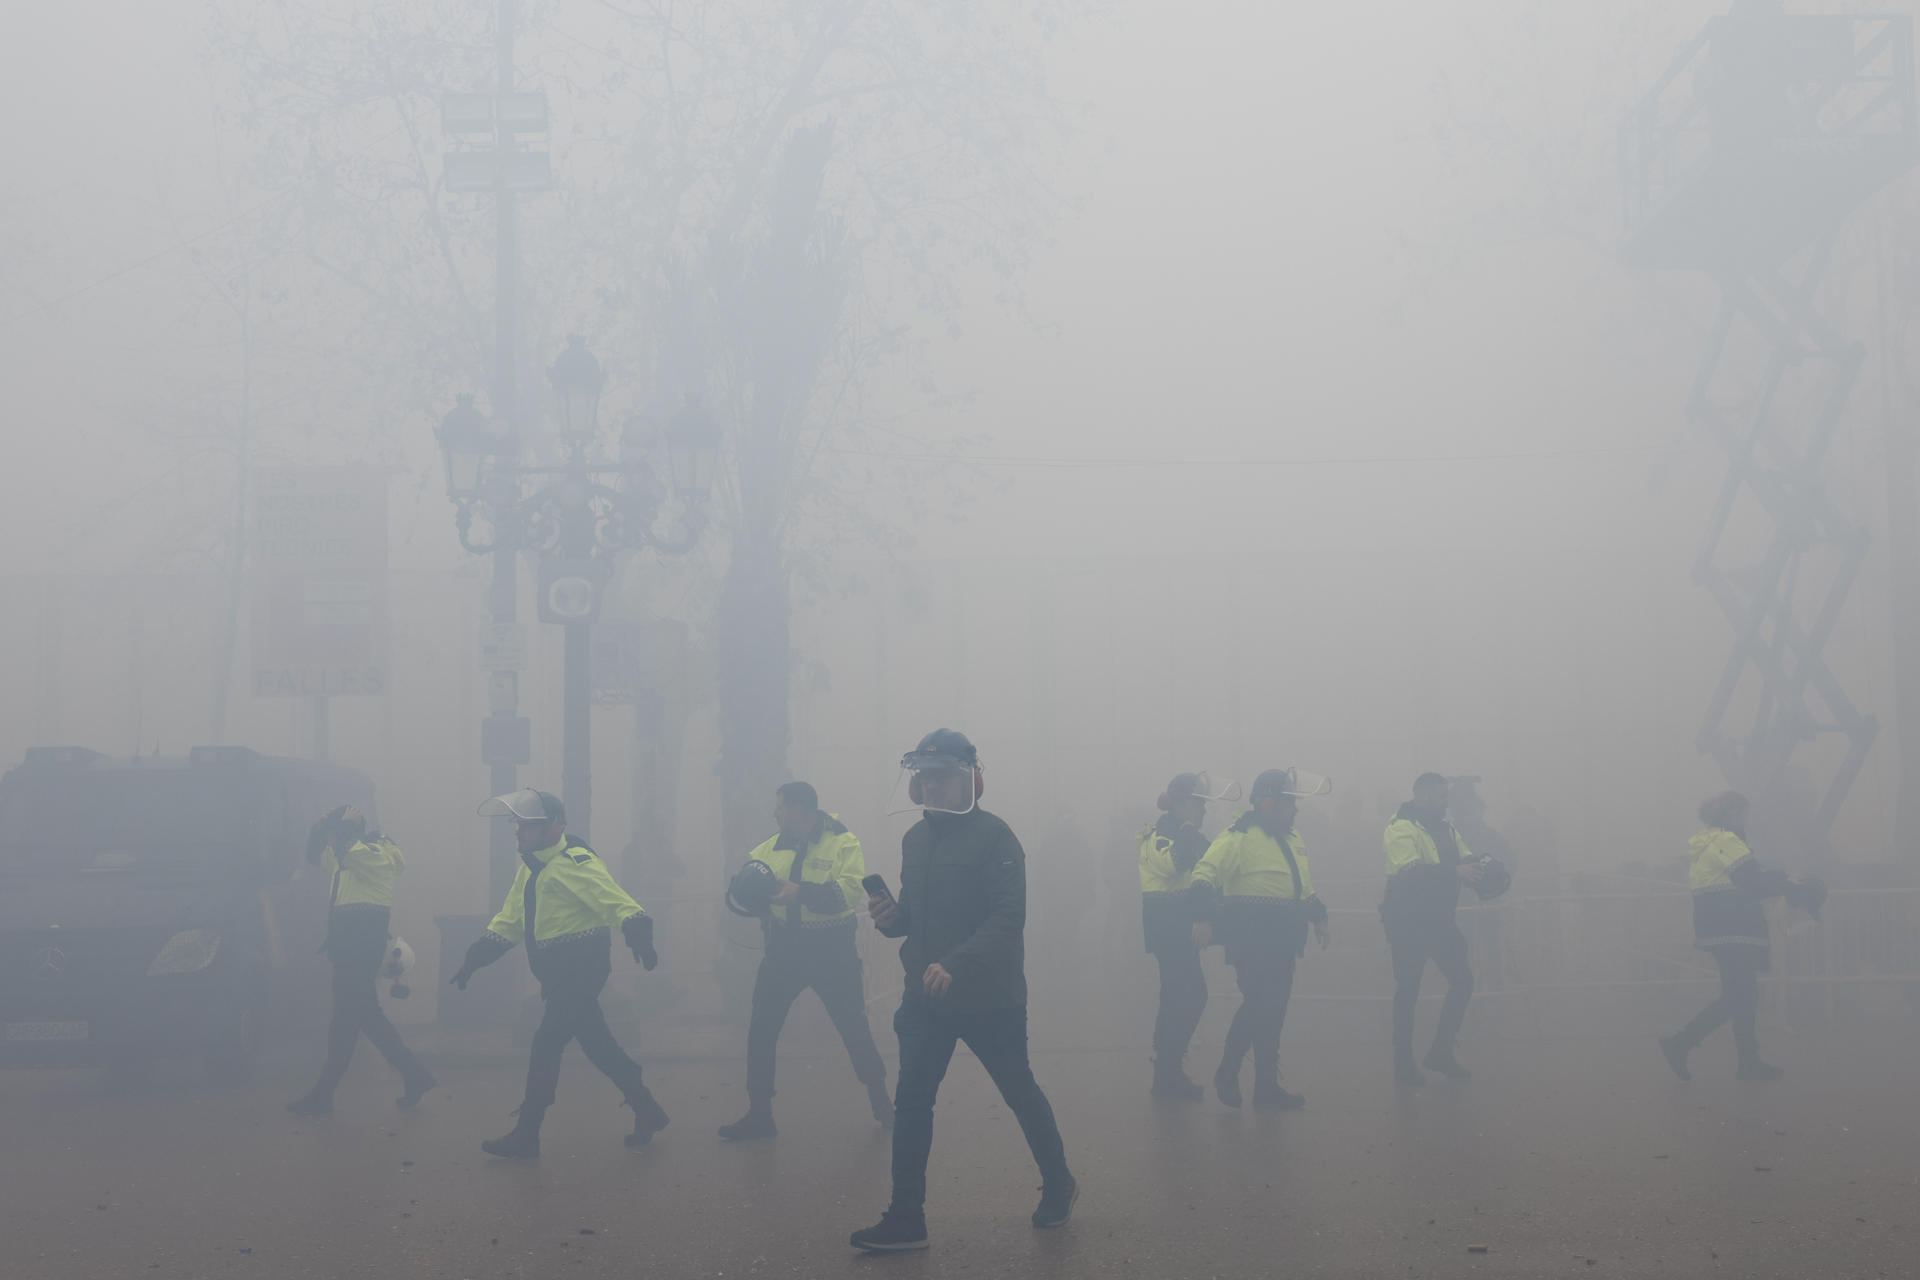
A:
[(1494, 881), (1274, 782), (750, 892), (942, 749)]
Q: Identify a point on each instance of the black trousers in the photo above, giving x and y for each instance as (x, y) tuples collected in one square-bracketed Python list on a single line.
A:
[(1183, 998), (928, 1035), (1413, 944), (1265, 977), (357, 945), (571, 979), (1738, 1002), (829, 965)]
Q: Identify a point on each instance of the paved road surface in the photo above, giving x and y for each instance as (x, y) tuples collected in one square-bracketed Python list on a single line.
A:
[(1562, 1157)]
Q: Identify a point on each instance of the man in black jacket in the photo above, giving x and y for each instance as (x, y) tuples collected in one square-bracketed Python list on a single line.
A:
[(962, 912)]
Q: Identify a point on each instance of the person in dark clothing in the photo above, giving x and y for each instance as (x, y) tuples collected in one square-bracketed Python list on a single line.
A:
[(1730, 889), (565, 906), (363, 865), (962, 914), (1169, 851), (810, 943), (1427, 862), (1255, 886)]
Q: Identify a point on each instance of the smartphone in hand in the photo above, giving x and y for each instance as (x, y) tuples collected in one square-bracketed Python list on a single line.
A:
[(876, 886)]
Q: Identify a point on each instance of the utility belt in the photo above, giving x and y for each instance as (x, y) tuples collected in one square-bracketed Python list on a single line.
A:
[(1253, 925), (583, 955)]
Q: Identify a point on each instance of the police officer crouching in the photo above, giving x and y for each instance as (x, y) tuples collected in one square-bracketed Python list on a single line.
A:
[(565, 905), (1254, 884), (1169, 851), (364, 865), (809, 925)]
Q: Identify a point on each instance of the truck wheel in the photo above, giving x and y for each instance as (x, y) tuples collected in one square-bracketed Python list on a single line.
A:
[(234, 1052)]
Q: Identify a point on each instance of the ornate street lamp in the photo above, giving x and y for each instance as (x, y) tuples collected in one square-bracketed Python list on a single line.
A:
[(577, 379), (466, 443), (576, 518)]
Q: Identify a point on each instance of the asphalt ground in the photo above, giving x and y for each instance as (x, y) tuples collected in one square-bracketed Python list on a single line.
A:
[(1579, 1156)]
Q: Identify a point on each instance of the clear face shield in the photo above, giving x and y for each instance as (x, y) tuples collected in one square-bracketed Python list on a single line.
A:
[(935, 782), (1303, 783), (1207, 788)]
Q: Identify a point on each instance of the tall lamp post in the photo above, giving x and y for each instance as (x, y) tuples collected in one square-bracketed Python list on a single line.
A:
[(576, 519)]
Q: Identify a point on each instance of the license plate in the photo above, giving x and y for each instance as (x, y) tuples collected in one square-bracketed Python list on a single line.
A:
[(46, 1031)]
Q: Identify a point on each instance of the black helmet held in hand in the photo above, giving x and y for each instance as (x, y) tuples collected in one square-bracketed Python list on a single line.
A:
[(750, 892), (1494, 881)]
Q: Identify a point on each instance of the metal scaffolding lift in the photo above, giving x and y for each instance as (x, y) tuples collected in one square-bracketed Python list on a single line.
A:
[(1744, 162)]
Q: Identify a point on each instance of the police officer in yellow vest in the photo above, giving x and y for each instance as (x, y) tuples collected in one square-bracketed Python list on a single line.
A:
[(1730, 889), (810, 931), (363, 866), (1253, 890), (1169, 851), (1427, 862), (565, 906)]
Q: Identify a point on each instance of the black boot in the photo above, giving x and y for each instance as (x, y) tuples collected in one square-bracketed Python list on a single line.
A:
[(882, 1105), (1226, 1083), (897, 1231), (1754, 1069), (753, 1126), (1269, 1096), (313, 1106), (414, 1091), (522, 1142), (1675, 1049), (1170, 1081), (1442, 1061), (649, 1119), (1406, 1075), (1056, 1202)]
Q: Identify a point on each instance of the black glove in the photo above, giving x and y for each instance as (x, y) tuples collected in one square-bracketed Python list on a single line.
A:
[(485, 950), (638, 931)]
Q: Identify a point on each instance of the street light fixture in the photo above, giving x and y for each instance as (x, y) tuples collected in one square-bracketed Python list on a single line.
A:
[(577, 379), (578, 517), (465, 443)]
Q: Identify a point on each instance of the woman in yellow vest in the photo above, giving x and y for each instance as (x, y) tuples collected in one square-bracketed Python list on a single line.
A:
[(363, 866), (1730, 889), (1254, 885)]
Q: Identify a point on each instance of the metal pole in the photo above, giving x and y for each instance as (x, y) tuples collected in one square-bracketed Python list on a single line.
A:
[(576, 768), (502, 851), (1903, 569)]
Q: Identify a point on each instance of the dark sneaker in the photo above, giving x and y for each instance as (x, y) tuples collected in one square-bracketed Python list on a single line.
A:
[(1676, 1055), (1175, 1084), (1445, 1064), (311, 1107), (520, 1144), (414, 1092), (648, 1119), (1758, 1070), (1056, 1203), (1407, 1076), (1228, 1087), (1274, 1098), (751, 1127), (898, 1231), (882, 1106)]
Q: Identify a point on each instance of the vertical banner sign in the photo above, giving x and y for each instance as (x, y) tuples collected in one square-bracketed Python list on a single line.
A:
[(319, 582)]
